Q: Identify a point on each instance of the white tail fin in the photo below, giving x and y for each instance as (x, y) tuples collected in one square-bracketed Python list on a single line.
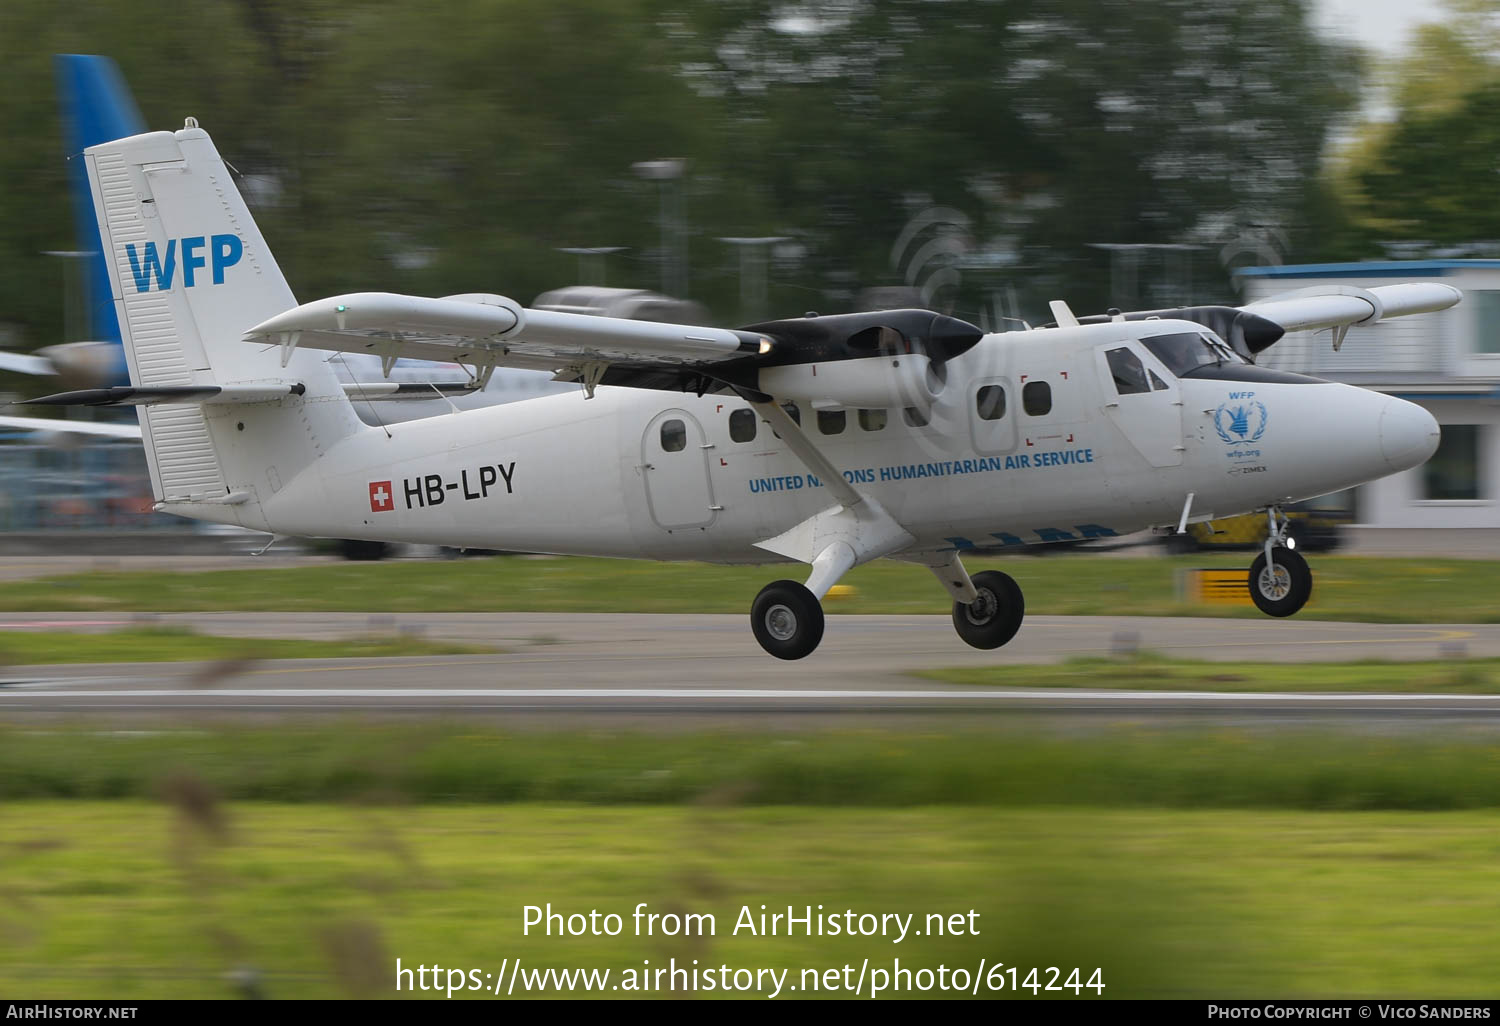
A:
[(190, 272)]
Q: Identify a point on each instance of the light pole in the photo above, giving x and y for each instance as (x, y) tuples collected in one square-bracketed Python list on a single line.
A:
[(590, 261), (667, 173), (753, 272), (78, 316)]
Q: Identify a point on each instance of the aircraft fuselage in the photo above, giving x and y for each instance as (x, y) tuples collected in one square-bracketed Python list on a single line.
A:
[(1057, 454)]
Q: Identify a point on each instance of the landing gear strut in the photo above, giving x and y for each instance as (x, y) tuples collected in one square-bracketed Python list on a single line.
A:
[(1280, 582)]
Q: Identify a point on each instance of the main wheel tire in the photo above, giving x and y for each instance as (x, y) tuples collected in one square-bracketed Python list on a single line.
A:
[(1284, 590), (787, 620), (992, 619)]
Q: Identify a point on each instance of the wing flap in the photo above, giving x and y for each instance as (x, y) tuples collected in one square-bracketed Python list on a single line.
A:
[(406, 391)]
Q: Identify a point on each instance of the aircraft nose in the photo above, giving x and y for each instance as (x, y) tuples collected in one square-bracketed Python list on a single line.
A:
[(1408, 434)]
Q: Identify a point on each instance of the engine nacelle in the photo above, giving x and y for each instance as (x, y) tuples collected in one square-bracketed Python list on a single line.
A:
[(872, 383)]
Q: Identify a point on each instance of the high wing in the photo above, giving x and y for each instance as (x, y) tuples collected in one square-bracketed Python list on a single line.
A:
[(1342, 306), (777, 358), (1256, 327), (483, 331), (359, 391)]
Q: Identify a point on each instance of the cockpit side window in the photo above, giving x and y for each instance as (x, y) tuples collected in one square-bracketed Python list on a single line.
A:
[(1128, 372), (1185, 352)]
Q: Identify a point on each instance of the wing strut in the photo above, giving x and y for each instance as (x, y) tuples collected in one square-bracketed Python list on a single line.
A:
[(855, 531)]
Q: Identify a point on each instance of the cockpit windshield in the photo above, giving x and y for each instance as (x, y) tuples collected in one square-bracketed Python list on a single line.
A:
[(1185, 352)]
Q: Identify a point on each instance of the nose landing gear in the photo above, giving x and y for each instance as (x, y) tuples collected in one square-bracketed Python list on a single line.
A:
[(1280, 582)]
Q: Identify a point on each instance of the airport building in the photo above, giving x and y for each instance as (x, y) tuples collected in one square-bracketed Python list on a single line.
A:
[(1449, 362)]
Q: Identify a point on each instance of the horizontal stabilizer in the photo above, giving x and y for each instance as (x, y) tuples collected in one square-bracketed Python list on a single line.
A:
[(90, 428), (25, 363), (126, 395)]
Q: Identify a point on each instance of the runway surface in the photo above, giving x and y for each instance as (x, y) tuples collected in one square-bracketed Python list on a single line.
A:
[(588, 667)]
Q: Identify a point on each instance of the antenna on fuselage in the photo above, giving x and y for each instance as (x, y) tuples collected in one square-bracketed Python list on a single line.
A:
[(1062, 314)]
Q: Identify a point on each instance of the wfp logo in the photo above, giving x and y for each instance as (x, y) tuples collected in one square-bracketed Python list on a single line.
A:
[(1243, 422), (217, 253)]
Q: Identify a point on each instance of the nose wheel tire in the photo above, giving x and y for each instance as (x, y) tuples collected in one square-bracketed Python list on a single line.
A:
[(1282, 589), (995, 616), (787, 620)]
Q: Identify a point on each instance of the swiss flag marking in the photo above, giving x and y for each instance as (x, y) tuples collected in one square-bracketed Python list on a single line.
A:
[(381, 497)]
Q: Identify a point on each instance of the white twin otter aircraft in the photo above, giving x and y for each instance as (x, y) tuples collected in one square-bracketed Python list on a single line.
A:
[(829, 441)]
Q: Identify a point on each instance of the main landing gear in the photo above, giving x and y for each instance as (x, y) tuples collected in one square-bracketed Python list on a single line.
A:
[(787, 620), (987, 608), (786, 617), (1280, 581), (995, 615)]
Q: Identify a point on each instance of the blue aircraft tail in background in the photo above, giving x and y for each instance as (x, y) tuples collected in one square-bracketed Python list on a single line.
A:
[(96, 107)]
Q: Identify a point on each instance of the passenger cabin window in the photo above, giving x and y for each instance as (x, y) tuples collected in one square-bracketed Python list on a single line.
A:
[(673, 436), (742, 425), (914, 416), (831, 422), (1036, 398), (989, 402), (872, 420), (1129, 373)]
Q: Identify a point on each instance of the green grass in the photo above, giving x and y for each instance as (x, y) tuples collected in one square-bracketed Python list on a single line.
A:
[(1150, 672), (131, 900), (171, 644), (1006, 766), (1184, 863), (1348, 588)]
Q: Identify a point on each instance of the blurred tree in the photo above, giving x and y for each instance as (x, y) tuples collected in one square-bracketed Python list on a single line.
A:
[(1054, 123), (458, 146), (449, 148), (180, 60), (382, 145), (1445, 60), (1434, 178), (1426, 174)]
